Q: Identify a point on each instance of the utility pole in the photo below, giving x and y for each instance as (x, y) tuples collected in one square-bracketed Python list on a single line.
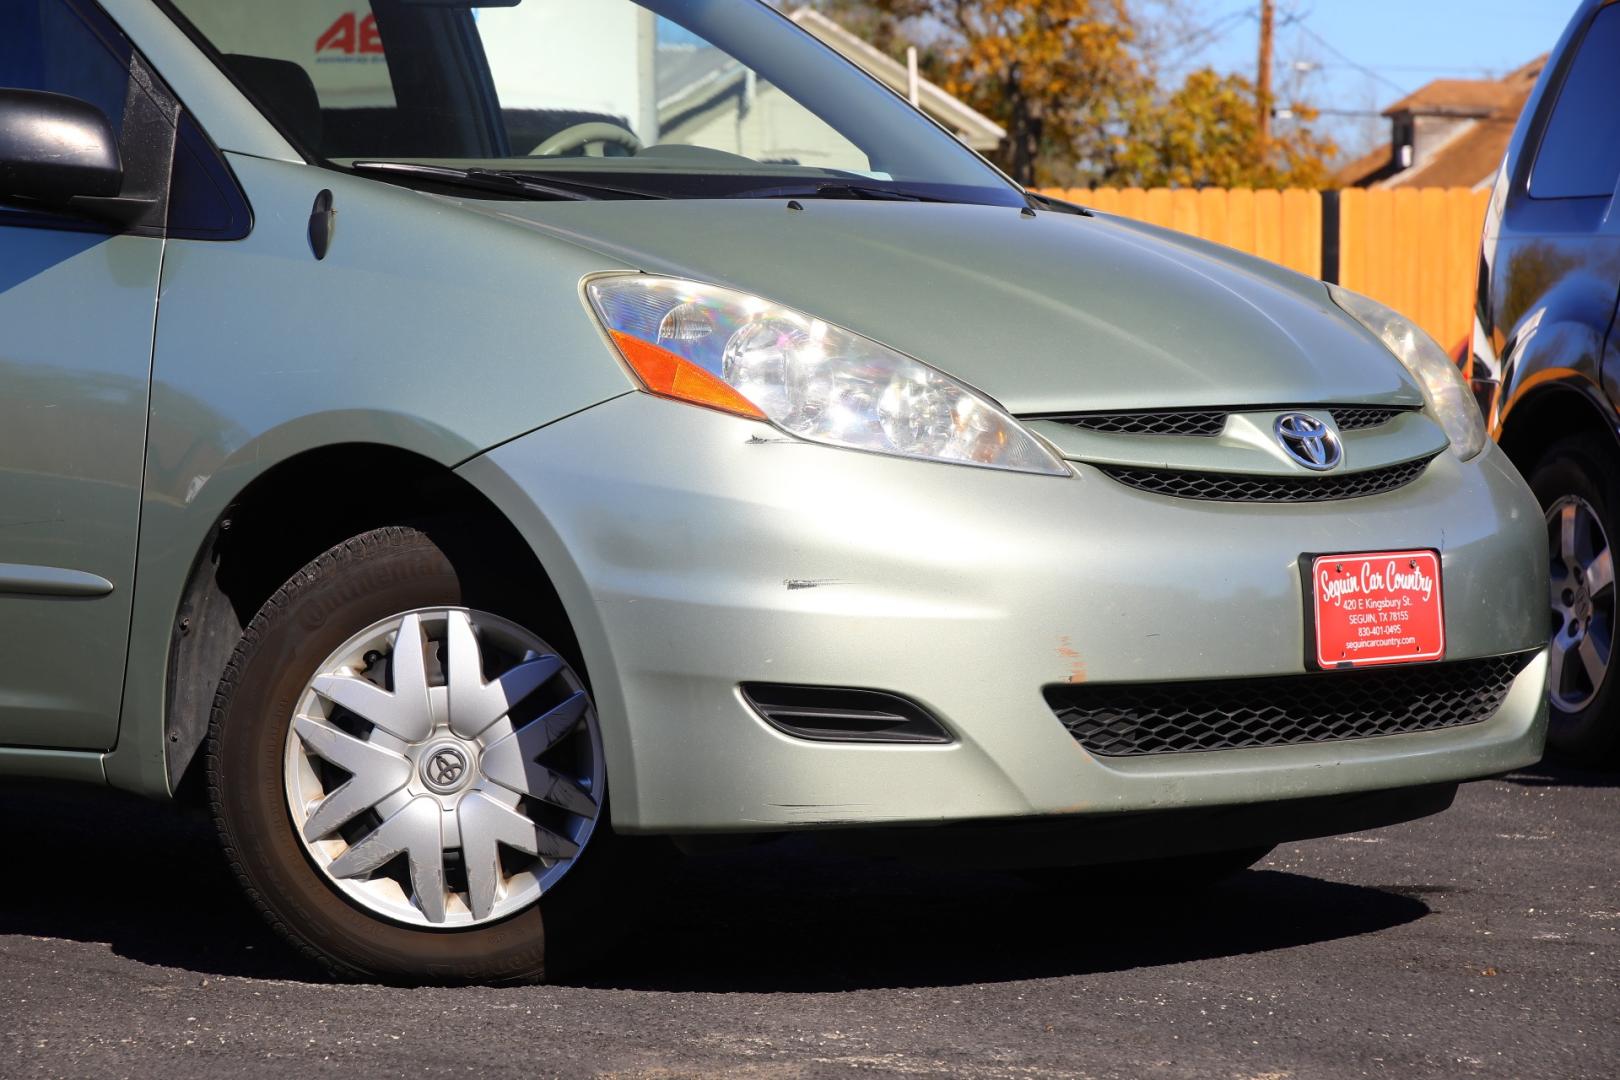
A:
[(1262, 81)]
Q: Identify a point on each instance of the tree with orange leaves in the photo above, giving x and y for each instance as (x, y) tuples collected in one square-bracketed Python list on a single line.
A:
[(1205, 134), (1072, 83)]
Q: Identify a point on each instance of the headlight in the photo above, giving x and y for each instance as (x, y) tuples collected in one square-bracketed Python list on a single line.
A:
[(1450, 403), (727, 350)]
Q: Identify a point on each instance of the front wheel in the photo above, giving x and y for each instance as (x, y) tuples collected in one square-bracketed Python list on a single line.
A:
[(399, 779), (1575, 481)]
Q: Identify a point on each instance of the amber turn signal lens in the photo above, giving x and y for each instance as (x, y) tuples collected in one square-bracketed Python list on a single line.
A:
[(667, 375), (748, 356)]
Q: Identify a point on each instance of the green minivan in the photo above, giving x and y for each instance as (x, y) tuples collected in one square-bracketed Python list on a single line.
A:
[(450, 439)]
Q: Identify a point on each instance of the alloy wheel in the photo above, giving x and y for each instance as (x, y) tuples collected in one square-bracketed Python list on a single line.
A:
[(1583, 603), (443, 768)]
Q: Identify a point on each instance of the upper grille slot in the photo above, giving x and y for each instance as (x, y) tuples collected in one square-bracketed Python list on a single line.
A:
[(1356, 417), (1138, 719), (1211, 422), (1231, 487), (1150, 423)]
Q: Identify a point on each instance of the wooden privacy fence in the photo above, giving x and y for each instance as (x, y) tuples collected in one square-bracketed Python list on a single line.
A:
[(1415, 249)]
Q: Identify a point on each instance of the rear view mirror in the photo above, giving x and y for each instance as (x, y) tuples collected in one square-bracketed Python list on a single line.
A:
[(55, 150)]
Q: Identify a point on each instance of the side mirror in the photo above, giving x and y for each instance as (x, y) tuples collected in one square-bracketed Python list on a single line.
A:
[(56, 151)]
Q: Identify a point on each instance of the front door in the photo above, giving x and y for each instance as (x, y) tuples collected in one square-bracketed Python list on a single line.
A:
[(77, 303)]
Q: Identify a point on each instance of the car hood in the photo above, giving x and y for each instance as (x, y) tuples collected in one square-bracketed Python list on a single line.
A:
[(1049, 313)]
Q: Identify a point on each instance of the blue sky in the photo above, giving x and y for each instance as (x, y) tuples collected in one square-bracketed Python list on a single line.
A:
[(1371, 52)]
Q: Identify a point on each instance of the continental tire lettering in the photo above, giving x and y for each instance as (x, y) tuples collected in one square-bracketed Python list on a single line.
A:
[(313, 614)]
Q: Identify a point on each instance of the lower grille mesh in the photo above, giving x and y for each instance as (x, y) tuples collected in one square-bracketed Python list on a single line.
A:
[(1231, 487), (1132, 720)]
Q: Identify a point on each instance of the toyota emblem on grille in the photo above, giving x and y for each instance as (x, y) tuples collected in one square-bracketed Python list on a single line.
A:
[(1309, 441)]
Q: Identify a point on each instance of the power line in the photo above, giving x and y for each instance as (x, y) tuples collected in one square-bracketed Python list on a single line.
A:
[(1290, 113), (1363, 68), (1418, 69), (1196, 40), (1207, 35)]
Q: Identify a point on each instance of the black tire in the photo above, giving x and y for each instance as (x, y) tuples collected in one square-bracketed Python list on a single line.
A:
[(1149, 878), (351, 586), (1584, 466)]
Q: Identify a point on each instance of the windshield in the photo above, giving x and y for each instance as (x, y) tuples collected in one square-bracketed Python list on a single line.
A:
[(676, 98)]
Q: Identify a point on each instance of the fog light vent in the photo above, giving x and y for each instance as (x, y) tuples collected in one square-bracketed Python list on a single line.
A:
[(841, 714)]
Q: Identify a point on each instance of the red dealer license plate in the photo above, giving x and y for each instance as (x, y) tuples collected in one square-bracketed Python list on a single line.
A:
[(1381, 607)]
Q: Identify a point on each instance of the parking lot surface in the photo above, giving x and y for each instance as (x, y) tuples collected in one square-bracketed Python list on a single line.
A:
[(1483, 942)]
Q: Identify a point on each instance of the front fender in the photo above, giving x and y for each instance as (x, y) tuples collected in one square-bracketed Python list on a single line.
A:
[(427, 328)]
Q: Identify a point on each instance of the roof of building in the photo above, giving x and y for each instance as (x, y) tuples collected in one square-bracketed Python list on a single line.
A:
[(687, 69), (1366, 168), (692, 73), (1472, 155), (1455, 97), (971, 126)]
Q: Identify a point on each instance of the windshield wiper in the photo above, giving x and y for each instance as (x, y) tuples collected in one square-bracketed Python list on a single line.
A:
[(499, 181), (1057, 206), (567, 183), (477, 179), (836, 189)]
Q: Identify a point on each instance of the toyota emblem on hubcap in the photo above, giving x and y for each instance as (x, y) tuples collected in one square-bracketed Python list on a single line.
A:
[(445, 769), (1309, 441)]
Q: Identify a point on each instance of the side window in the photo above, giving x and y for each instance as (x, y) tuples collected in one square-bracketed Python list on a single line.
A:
[(317, 67), (47, 46), (335, 42), (1579, 155), (63, 48), (561, 65)]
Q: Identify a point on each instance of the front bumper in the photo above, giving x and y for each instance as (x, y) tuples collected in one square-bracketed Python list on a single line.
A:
[(696, 551)]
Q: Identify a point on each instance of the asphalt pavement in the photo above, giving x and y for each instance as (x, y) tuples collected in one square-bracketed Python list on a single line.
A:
[(1483, 942)]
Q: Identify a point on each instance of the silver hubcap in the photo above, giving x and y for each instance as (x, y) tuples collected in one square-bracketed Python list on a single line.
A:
[(444, 768), (1583, 603)]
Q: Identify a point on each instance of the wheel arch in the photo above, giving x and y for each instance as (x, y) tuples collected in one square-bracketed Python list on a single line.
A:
[(267, 532), (1555, 409)]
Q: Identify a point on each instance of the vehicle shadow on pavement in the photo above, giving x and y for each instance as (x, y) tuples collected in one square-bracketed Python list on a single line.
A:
[(145, 878), (786, 918), (780, 917), (1553, 772)]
